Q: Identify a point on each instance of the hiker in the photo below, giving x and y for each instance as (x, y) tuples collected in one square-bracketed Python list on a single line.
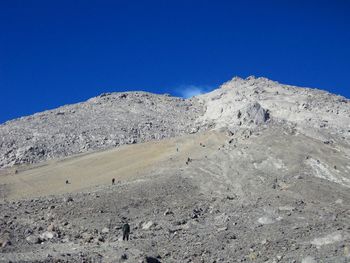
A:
[(113, 181), (67, 182), (126, 231)]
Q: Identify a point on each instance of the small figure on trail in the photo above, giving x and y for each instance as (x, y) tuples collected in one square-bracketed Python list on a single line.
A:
[(126, 231), (113, 181), (177, 149), (67, 182)]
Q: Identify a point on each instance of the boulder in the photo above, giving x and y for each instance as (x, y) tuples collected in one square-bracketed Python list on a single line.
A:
[(33, 239), (254, 113)]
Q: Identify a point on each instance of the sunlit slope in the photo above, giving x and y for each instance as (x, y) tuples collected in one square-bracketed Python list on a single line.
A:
[(241, 164), (85, 171)]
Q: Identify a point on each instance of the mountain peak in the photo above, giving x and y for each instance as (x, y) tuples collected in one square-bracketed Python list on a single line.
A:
[(117, 118)]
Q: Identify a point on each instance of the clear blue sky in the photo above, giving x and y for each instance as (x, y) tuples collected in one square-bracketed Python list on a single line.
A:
[(59, 52)]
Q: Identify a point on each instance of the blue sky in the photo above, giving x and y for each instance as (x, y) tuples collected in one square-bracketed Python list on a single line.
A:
[(59, 52)]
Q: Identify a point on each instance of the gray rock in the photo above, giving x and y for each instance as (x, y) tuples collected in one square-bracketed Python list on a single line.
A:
[(33, 239), (255, 113)]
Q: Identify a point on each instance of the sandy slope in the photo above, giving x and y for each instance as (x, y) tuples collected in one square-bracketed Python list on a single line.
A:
[(95, 169)]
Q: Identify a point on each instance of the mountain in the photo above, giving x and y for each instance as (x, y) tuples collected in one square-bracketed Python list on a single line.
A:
[(254, 171), (114, 119), (109, 120)]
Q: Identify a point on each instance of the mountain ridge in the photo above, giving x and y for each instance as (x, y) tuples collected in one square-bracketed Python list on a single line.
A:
[(118, 118)]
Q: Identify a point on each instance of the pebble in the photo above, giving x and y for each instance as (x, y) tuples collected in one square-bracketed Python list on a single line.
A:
[(308, 259), (105, 230), (5, 242), (68, 199), (147, 225), (168, 212), (51, 227), (33, 239), (47, 235)]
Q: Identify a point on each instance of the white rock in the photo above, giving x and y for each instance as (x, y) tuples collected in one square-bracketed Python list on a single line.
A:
[(147, 225), (286, 208), (328, 239), (47, 235), (308, 259), (265, 220), (105, 230), (339, 201)]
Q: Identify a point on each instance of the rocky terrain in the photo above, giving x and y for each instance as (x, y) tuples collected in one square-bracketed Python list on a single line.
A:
[(109, 120), (254, 171), (114, 119)]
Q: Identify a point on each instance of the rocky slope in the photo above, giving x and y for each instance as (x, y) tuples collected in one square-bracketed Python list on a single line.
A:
[(106, 121), (114, 119), (313, 112), (250, 197), (254, 171)]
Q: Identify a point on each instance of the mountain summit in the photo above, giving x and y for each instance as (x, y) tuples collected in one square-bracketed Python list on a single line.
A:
[(114, 119)]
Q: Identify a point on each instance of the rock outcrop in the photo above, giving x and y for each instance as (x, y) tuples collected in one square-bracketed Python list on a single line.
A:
[(254, 113)]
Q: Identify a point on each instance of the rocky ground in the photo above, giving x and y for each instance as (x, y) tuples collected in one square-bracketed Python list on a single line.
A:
[(256, 172), (107, 121), (269, 206), (173, 221)]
